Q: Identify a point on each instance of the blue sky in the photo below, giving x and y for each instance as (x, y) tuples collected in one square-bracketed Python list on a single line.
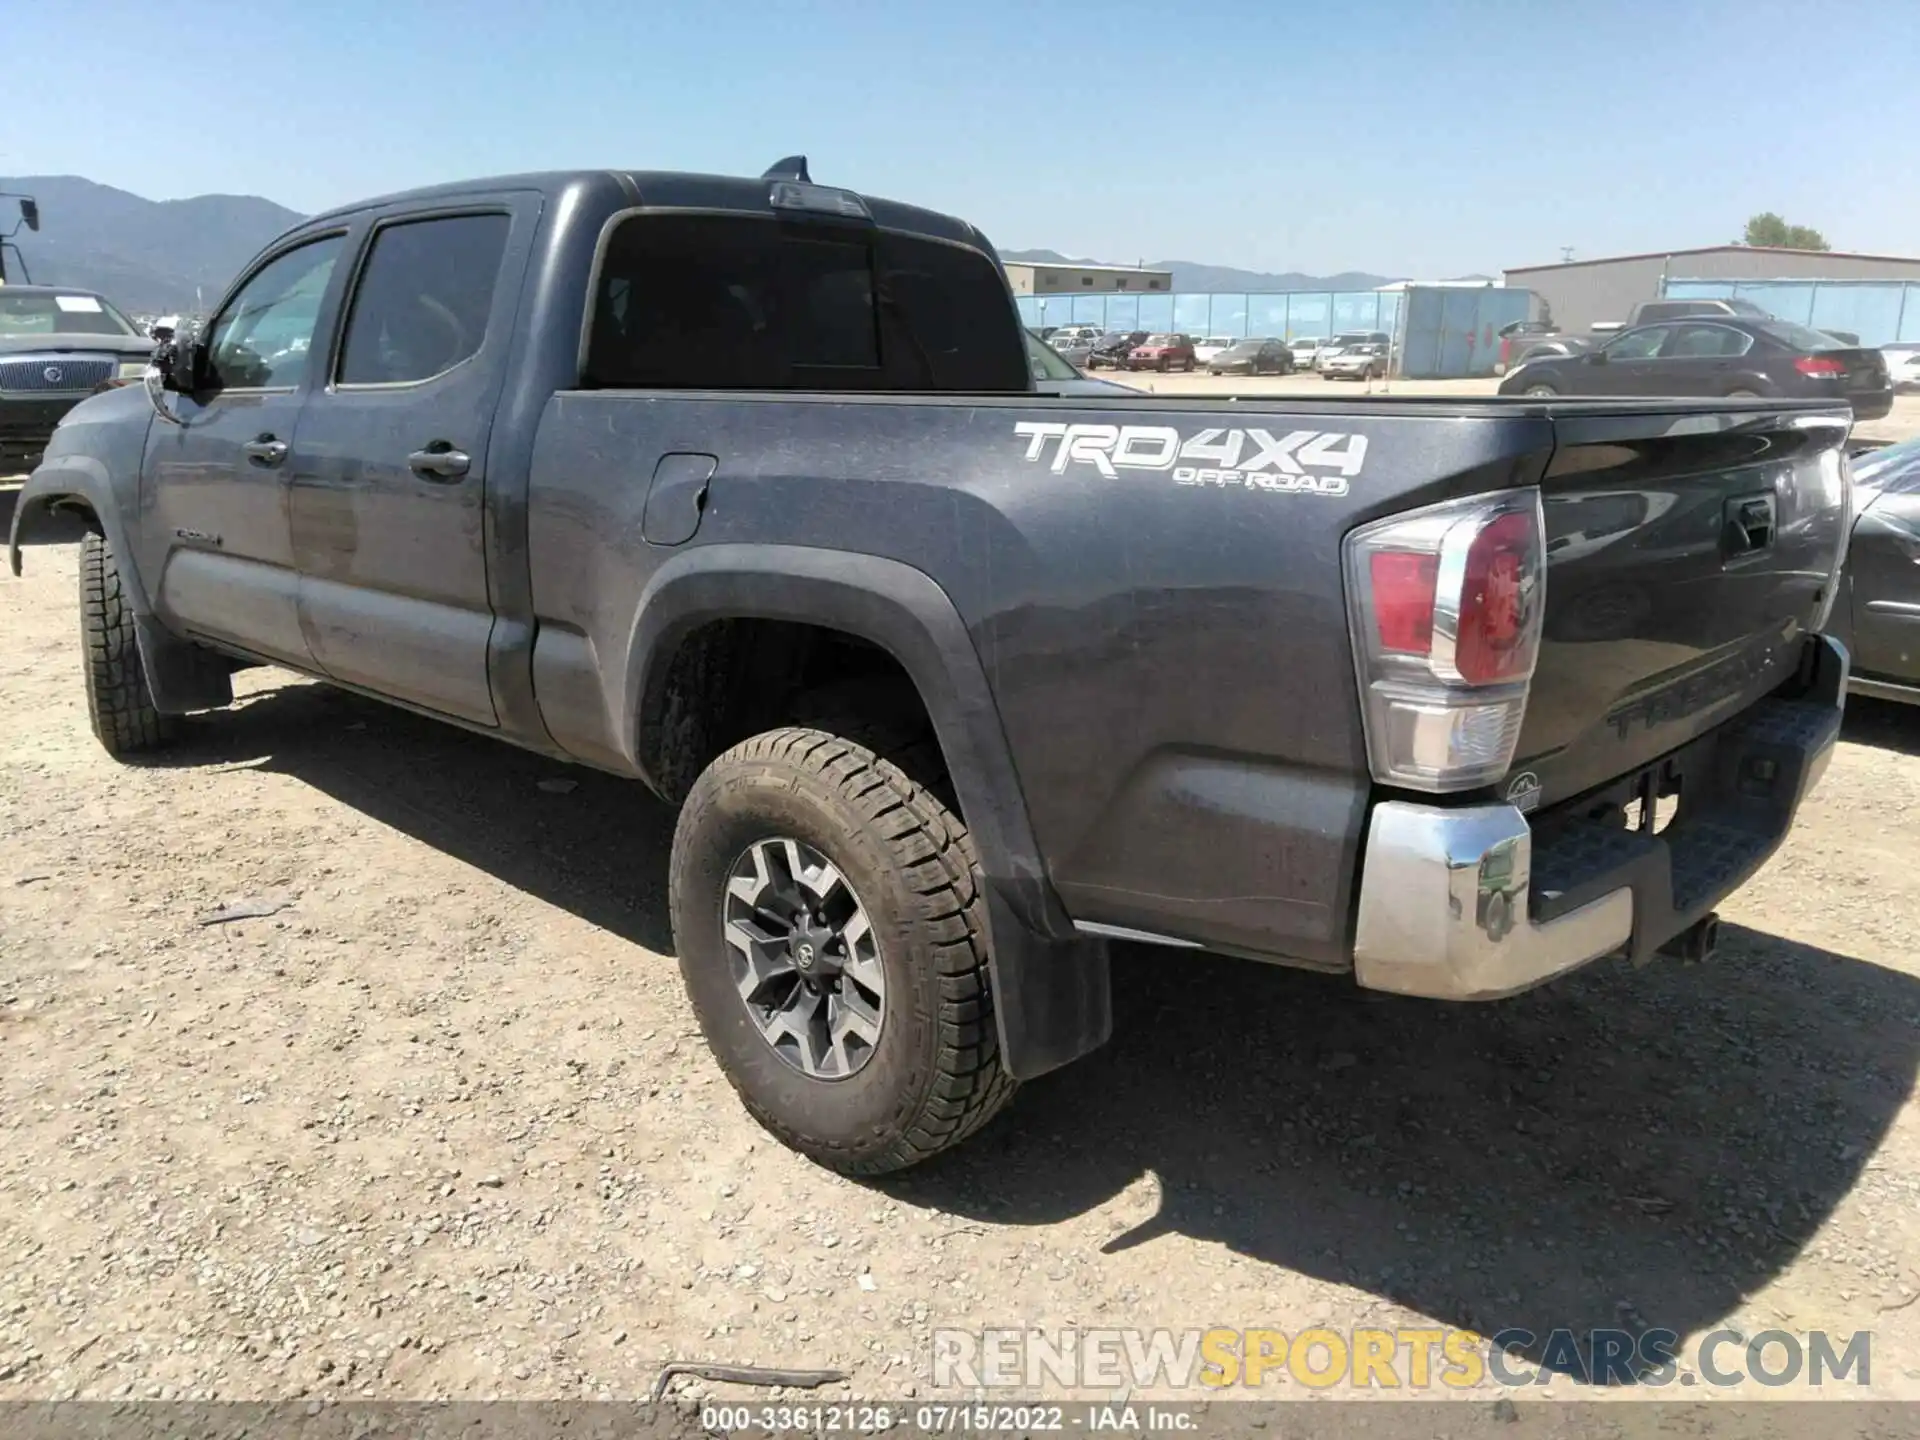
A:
[(1411, 138)]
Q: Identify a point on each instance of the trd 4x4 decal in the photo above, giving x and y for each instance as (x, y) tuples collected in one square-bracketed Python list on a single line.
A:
[(1309, 462)]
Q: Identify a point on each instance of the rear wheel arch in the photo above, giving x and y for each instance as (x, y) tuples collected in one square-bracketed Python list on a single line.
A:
[(1055, 1002)]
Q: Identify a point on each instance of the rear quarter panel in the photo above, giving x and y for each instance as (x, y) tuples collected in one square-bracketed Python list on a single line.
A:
[(1169, 654)]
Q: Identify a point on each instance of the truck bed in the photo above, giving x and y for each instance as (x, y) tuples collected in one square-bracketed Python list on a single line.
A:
[(1168, 643)]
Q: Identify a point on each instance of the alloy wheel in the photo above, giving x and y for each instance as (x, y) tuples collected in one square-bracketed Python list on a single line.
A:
[(805, 959)]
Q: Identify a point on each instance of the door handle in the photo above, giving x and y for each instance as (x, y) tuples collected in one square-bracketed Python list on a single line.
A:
[(439, 462), (265, 451)]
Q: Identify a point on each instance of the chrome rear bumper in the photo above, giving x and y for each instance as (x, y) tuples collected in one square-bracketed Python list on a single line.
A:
[(1445, 909)]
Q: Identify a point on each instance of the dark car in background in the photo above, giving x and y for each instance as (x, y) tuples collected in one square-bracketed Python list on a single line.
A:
[(1253, 357), (1732, 356), (1113, 348), (1162, 352), (57, 346), (1877, 613)]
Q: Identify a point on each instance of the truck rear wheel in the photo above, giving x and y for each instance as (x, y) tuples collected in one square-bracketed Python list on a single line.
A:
[(119, 701), (832, 938)]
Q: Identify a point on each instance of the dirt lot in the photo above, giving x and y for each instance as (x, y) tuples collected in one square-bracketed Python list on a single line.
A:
[(442, 1125)]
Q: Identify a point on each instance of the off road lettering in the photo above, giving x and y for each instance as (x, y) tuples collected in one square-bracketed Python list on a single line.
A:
[(1251, 458)]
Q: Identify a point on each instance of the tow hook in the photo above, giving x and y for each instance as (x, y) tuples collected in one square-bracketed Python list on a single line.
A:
[(1695, 944)]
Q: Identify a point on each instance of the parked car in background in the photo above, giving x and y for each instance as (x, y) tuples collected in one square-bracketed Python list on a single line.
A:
[(1517, 339), (1088, 333), (1649, 312), (1903, 366), (1306, 350), (1162, 352), (1053, 374), (57, 346), (1344, 340), (1253, 357), (1724, 355), (1074, 349), (1552, 345), (1204, 350), (1365, 361), (1113, 348), (1877, 614)]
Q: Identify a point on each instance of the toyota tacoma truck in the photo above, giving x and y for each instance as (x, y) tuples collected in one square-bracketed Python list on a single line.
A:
[(742, 488)]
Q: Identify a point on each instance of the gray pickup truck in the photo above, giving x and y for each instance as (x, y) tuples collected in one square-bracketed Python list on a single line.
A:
[(742, 488)]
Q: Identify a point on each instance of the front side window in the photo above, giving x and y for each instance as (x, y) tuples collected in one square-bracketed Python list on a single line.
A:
[(421, 305), (727, 302), (260, 341), (1638, 344)]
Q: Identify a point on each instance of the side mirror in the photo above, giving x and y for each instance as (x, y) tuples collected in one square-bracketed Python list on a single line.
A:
[(181, 360), (1596, 357), (30, 212)]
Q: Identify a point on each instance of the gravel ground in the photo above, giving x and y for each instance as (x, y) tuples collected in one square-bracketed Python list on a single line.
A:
[(440, 1124)]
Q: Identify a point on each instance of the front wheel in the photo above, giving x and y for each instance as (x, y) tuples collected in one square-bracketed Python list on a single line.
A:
[(1743, 394), (119, 701), (1540, 391), (833, 941)]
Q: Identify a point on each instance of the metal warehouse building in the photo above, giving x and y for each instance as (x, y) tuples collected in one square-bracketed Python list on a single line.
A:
[(1032, 278), (1581, 292)]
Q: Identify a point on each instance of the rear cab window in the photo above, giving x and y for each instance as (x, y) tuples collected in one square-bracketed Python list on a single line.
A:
[(750, 302)]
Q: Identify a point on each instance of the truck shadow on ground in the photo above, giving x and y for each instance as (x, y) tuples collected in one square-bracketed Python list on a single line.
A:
[(1624, 1149), (1882, 724), (598, 847)]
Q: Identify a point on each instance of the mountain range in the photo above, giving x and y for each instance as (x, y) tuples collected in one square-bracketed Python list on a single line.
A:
[(151, 256), (1192, 276), (164, 256)]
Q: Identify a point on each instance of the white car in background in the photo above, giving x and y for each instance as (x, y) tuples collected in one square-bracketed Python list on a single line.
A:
[(1903, 366), (1306, 351), (1205, 350)]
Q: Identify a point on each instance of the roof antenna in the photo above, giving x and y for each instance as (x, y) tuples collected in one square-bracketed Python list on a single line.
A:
[(794, 167)]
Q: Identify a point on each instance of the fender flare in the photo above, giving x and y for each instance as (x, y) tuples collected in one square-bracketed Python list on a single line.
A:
[(1051, 983), (181, 676), (74, 477)]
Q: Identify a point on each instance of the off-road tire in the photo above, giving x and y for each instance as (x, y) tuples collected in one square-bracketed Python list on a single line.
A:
[(119, 702), (935, 1076)]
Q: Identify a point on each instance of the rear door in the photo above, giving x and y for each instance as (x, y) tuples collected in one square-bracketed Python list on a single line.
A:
[(389, 475), (1702, 358), (215, 481)]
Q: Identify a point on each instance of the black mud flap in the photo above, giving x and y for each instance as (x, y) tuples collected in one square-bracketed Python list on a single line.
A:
[(1052, 999)]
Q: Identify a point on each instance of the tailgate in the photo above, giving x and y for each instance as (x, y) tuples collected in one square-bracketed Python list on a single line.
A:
[(1688, 555)]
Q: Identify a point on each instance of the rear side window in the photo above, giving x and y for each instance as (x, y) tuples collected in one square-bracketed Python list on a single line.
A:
[(422, 301), (724, 302), (1707, 342)]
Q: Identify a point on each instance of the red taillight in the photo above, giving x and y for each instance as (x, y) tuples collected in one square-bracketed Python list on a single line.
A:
[(1447, 604), (1403, 599), (1493, 618), (1506, 348), (1822, 366)]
